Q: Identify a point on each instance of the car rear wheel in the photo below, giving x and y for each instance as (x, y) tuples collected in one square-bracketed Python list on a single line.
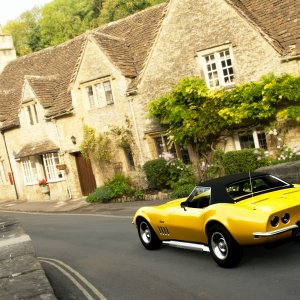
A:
[(147, 236), (225, 250)]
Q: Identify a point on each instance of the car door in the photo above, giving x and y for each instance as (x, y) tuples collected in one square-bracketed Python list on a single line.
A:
[(186, 222)]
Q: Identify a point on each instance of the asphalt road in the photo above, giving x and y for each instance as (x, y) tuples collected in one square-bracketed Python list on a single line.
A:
[(97, 257)]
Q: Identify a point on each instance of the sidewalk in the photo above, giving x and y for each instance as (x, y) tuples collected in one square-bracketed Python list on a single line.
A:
[(78, 206)]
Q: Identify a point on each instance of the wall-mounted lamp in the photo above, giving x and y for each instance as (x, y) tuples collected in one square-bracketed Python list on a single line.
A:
[(73, 139)]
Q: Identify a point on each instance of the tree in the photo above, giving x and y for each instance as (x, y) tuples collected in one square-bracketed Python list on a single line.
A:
[(64, 19), (25, 31), (117, 9)]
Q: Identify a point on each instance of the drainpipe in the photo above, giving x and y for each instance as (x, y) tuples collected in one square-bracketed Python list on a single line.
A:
[(12, 172), (60, 147), (136, 130)]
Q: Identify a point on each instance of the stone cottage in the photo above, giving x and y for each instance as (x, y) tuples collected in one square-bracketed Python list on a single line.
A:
[(105, 78)]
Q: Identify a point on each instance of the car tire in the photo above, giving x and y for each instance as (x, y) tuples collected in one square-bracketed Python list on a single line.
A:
[(226, 252), (147, 236)]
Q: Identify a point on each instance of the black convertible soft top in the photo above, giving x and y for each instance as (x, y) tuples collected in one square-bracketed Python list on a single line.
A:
[(218, 185)]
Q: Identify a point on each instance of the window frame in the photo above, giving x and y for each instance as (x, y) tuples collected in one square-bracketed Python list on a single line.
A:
[(256, 140), (50, 160), (215, 52), (31, 112), (30, 170), (101, 93)]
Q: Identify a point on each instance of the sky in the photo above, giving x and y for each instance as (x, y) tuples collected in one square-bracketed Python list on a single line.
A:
[(12, 9)]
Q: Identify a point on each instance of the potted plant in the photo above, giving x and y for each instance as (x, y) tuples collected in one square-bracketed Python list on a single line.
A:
[(44, 186)]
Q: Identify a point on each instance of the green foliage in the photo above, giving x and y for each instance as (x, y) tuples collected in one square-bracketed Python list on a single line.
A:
[(182, 191), (216, 167), (189, 111), (116, 187), (244, 160), (102, 194), (119, 185), (25, 31), (164, 174), (179, 174), (263, 101), (117, 9), (95, 146), (156, 173)]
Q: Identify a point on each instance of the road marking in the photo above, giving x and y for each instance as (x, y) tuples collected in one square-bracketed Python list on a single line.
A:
[(66, 214), (55, 263)]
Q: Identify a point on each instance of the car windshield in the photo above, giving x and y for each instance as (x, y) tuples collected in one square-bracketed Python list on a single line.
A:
[(199, 197), (253, 186)]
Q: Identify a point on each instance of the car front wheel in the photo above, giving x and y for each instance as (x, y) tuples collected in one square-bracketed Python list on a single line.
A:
[(147, 236), (225, 250)]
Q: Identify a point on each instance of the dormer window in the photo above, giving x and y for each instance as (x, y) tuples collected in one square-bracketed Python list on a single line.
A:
[(99, 94)]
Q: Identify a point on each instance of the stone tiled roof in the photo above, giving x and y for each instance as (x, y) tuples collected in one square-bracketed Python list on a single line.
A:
[(39, 147), (278, 21), (118, 51), (57, 62)]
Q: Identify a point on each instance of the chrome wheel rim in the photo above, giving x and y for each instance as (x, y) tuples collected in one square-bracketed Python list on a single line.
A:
[(219, 245), (145, 232)]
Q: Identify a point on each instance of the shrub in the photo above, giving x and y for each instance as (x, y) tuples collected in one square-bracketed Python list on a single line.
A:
[(102, 194), (156, 173), (179, 174), (138, 194), (182, 191), (119, 185), (244, 160)]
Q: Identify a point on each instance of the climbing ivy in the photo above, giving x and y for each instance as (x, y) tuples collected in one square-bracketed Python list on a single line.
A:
[(96, 146), (101, 146), (196, 115)]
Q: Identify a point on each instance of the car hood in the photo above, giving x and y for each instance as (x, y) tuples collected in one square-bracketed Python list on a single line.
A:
[(273, 201)]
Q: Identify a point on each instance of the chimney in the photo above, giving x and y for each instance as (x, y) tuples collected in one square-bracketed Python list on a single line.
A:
[(7, 49)]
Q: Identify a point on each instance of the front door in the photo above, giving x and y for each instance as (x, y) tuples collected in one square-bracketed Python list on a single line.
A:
[(85, 174)]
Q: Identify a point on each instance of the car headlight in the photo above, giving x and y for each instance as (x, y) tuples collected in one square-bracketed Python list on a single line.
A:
[(275, 221), (285, 218)]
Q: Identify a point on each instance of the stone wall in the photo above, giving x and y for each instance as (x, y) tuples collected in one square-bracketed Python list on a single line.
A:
[(21, 274), (287, 171)]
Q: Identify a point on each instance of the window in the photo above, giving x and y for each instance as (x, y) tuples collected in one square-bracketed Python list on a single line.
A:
[(129, 156), (50, 161), (30, 171), (251, 139), (2, 173), (199, 197), (32, 114), (162, 145), (250, 187), (100, 94), (247, 141), (218, 67)]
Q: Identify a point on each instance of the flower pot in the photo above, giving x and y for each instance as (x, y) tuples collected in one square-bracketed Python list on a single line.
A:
[(45, 189)]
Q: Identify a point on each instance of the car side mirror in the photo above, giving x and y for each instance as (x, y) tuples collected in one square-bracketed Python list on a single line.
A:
[(184, 205)]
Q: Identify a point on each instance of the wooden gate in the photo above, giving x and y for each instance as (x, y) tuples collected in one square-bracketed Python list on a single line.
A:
[(85, 174)]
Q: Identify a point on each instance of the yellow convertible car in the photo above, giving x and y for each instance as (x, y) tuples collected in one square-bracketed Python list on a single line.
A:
[(223, 215)]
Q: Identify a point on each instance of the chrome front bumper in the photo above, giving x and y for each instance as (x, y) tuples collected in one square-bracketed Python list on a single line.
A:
[(276, 231)]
